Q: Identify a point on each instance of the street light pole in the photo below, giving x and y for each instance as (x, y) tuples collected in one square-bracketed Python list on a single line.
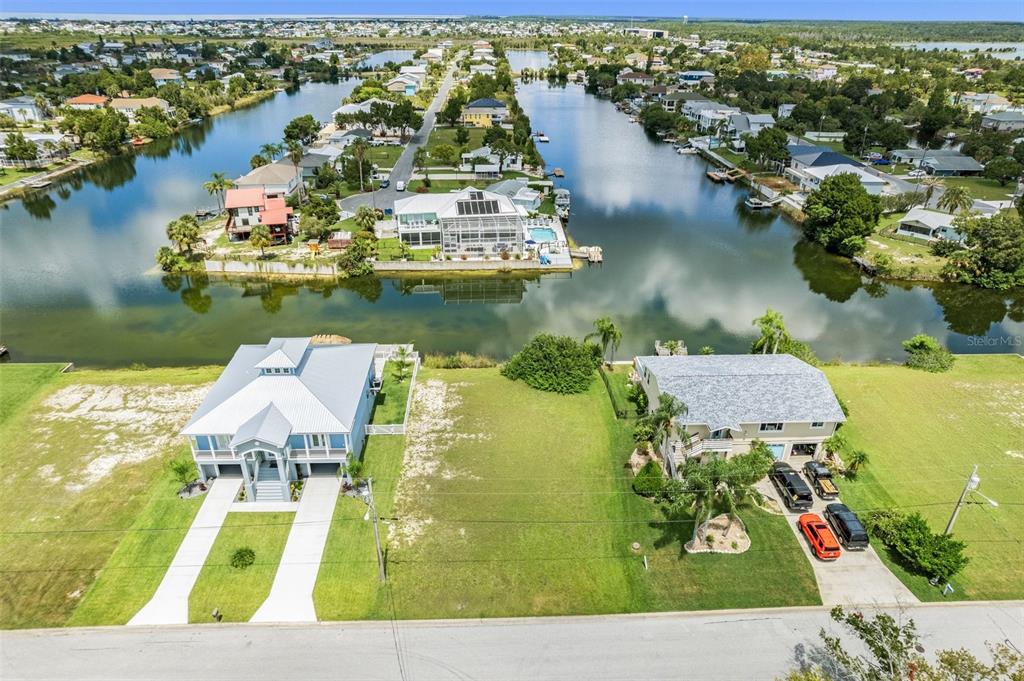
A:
[(376, 532), (972, 484)]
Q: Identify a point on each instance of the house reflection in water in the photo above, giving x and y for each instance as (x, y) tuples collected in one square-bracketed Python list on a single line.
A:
[(483, 289)]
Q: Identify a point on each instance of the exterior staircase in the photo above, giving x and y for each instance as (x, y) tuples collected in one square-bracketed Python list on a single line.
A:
[(268, 485)]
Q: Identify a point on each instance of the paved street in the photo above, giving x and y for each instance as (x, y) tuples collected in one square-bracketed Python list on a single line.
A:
[(385, 198), (856, 576), (668, 646)]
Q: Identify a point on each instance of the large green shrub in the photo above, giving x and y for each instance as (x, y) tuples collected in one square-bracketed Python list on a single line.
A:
[(934, 555), (649, 480), (925, 352), (243, 558), (557, 364)]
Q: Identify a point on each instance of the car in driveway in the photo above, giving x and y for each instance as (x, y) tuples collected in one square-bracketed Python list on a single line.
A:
[(795, 493), (820, 478), (847, 526), (820, 537)]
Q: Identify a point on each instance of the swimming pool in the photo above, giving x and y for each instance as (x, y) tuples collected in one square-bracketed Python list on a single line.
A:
[(542, 234)]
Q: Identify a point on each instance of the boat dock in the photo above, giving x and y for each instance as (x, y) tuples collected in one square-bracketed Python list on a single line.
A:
[(592, 254)]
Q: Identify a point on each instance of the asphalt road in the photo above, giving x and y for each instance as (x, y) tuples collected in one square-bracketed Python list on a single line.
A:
[(385, 198), (723, 645)]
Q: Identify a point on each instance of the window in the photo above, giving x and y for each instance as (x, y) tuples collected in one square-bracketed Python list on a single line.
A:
[(296, 441), (203, 443), (771, 428), (817, 424), (222, 441), (337, 441), (721, 434), (316, 440)]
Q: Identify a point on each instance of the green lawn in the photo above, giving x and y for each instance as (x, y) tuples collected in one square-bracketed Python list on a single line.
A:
[(384, 156), (522, 499), (924, 432), (446, 135), (445, 186), (390, 249), (618, 379), (391, 400), (79, 495), (980, 188), (10, 175), (239, 592)]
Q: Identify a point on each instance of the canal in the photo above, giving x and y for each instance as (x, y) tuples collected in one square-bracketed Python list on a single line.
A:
[(683, 259)]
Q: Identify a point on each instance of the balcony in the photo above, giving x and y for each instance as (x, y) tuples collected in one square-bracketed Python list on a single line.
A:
[(318, 454), (207, 455)]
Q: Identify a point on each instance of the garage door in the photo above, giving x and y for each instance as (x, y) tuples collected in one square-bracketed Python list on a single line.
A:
[(778, 451), (324, 469), (230, 470)]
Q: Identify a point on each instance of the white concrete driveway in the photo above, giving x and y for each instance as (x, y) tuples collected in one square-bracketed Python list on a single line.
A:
[(856, 577), (291, 596), (169, 604)]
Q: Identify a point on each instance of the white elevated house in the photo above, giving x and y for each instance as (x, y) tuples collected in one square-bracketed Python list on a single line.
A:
[(519, 191), (470, 222), (489, 164), (732, 400), (283, 411), (277, 179), (929, 225)]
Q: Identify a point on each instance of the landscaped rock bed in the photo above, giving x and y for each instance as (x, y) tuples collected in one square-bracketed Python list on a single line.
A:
[(638, 459), (192, 489), (720, 535)]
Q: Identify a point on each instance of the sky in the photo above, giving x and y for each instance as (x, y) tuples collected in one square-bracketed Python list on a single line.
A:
[(882, 10)]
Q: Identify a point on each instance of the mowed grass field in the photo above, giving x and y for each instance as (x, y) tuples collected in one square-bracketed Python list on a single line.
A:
[(86, 490), (924, 432), (515, 502)]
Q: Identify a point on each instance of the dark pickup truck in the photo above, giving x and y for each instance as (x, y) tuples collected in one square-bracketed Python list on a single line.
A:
[(821, 479), (794, 491), (847, 526)]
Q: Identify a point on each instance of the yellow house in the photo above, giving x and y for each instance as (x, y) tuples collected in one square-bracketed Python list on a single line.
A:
[(484, 113)]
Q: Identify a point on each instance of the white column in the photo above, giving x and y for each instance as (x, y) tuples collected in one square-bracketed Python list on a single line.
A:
[(283, 476), (250, 492)]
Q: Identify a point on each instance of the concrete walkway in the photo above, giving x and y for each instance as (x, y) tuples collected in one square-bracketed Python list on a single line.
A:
[(169, 604), (856, 577), (291, 596)]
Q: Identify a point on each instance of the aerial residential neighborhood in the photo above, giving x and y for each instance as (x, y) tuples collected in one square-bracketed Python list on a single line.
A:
[(589, 341)]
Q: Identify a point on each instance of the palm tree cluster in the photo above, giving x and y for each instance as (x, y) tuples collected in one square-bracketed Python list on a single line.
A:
[(218, 185), (609, 335), (773, 332)]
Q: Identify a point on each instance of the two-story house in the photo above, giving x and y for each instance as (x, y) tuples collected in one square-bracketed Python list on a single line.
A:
[(250, 206), (732, 400), (470, 222), (283, 411), (484, 113)]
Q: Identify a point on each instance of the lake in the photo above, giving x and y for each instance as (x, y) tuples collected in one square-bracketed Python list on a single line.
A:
[(527, 59), (683, 259), (383, 57)]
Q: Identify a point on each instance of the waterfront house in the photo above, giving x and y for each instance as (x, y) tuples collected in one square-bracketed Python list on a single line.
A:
[(165, 76), (696, 78), (732, 400), (433, 55), (403, 84), (86, 102), (313, 160), (637, 78), (130, 106), (740, 124), (929, 225), (674, 101), (484, 113), (22, 109), (249, 206), (489, 164), (470, 222), (810, 178), (276, 180), (981, 102), (951, 165), (284, 411), (803, 156), (483, 69), (519, 192), (1004, 121)]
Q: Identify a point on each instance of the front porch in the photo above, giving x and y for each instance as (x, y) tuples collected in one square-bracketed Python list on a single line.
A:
[(267, 474)]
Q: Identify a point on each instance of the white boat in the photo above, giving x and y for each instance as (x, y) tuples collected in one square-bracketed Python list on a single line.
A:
[(40, 185), (687, 150), (755, 203), (543, 138)]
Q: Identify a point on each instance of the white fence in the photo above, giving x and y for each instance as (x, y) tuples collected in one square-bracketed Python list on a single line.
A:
[(384, 353)]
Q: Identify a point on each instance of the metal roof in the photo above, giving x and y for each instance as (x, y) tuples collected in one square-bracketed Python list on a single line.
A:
[(320, 395), (724, 391)]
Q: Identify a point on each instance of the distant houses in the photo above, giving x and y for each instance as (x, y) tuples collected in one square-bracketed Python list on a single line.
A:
[(87, 102), (130, 106), (164, 76), (939, 162), (22, 109), (1004, 121), (484, 113)]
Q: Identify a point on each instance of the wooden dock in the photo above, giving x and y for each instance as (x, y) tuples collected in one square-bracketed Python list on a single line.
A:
[(592, 254)]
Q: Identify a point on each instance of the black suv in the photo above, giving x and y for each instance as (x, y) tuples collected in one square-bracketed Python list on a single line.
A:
[(794, 491), (847, 526)]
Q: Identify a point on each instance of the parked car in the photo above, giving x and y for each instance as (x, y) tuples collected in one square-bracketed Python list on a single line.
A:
[(385, 183), (847, 526), (400, 186), (821, 479), (823, 542), (881, 162), (794, 491), (916, 172)]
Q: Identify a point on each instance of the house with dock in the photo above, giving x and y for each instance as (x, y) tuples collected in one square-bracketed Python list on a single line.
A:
[(467, 223), (283, 411), (733, 400), (929, 225), (130, 106), (277, 180), (484, 113), (250, 206)]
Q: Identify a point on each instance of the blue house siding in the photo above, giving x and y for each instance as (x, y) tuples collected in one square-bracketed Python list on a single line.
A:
[(362, 416)]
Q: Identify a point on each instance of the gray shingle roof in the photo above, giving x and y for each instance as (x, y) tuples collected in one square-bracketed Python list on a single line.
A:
[(320, 396), (724, 391)]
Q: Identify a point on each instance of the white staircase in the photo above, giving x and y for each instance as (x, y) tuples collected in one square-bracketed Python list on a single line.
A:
[(268, 485)]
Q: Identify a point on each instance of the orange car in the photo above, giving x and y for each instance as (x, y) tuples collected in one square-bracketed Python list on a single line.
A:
[(819, 536)]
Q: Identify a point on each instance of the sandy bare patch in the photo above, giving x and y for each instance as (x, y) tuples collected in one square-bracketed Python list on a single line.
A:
[(433, 426), (1015, 454), (720, 535), (113, 425)]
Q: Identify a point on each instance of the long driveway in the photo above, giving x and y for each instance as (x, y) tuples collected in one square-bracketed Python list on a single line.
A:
[(291, 596), (723, 645), (169, 604), (385, 198), (856, 576)]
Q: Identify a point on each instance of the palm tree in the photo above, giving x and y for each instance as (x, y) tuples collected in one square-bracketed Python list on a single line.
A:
[(260, 238), (662, 421), (608, 333), (295, 154), (218, 186), (855, 460), (365, 218), (773, 331), (419, 159), (359, 150), (956, 199), (930, 184), (270, 150)]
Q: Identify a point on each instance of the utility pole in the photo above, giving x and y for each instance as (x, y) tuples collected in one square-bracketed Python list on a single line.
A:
[(376, 532), (972, 484)]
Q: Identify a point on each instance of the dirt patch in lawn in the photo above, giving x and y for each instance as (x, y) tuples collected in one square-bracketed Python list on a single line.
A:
[(720, 534), (433, 426), (110, 425)]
